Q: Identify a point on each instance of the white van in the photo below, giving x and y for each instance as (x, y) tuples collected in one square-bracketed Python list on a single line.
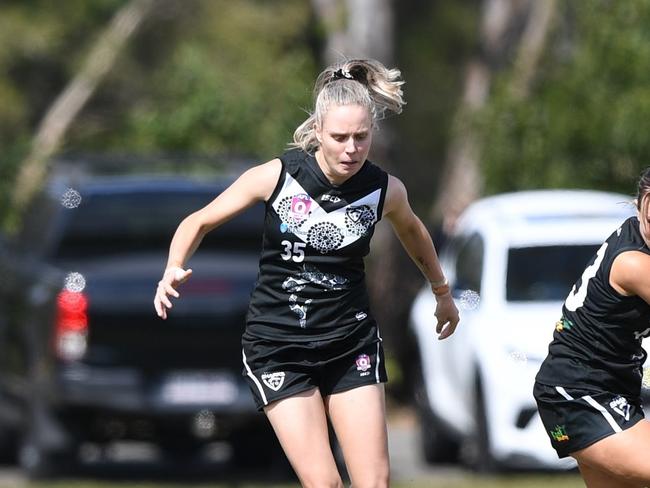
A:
[(511, 262)]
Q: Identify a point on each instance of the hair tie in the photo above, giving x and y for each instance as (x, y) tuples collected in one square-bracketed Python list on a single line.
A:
[(342, 73)]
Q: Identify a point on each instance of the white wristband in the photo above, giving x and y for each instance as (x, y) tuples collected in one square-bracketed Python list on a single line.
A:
[(175, 269)]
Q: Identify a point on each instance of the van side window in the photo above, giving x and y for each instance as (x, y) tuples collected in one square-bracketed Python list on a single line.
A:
[(469, 263)]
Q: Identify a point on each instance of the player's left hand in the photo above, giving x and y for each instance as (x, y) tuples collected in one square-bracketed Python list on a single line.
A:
[(447, 315)]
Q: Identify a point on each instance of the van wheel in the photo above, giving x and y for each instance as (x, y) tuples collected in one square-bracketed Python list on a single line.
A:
[(482, 459), (438, 446)]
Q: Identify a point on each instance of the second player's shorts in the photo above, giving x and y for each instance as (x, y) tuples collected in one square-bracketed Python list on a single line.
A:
[(575, 419), (278, 369)]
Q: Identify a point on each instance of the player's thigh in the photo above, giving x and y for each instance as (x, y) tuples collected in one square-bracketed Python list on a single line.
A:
[(624, 454), (300, 424), (595, 478), (358, 416)]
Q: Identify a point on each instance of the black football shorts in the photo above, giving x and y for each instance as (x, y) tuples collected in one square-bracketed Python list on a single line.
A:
[(278, 369), (575, 419)]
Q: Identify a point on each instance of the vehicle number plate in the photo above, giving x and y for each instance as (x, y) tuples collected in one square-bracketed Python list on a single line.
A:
[(199, 388)]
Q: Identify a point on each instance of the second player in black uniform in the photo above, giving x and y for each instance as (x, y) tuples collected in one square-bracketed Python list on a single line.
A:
[(588, 388), (312, 349)]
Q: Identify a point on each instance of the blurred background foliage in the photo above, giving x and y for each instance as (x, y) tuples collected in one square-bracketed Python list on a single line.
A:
[(221, 77), (583, 123), (434, 41), (201, 77)]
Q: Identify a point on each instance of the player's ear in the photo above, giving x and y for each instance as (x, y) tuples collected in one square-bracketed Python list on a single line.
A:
[(318, 132)]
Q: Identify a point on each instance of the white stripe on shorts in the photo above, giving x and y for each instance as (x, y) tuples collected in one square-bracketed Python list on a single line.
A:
[(606, 414), (564, 393), (377, 378), (597, 406), (255, 380)]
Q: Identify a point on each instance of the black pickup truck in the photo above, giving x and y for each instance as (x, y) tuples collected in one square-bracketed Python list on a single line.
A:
[(83, 355)]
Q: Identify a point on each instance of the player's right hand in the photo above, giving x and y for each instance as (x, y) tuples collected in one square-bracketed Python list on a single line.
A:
[(172, 278)]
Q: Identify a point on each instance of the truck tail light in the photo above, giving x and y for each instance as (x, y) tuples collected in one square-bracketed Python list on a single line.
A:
[(71, 330)]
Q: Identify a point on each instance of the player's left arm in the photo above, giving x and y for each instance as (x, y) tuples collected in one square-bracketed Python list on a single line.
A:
[(417, 242), (630, 274)]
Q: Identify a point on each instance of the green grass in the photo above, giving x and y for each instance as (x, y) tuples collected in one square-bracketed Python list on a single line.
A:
[(523, 481)]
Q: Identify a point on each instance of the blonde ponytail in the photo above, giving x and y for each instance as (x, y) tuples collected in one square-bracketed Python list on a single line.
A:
[(364, 82)]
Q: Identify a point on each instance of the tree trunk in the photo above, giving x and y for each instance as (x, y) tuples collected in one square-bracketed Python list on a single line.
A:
[(356, 28), (532, 46), (501, 22), (68, 104)]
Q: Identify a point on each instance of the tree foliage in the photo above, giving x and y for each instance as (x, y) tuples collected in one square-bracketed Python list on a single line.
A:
[(434, 41), (582, 124), (202, 76), (234, 79)]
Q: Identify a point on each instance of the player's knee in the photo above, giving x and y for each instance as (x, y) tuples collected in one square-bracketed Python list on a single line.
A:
[(320, 479), (332, 483), (377, 479)]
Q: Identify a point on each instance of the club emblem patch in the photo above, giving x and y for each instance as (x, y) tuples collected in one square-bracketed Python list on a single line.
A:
[(363, 362), (359, 219), (621, 407), (559, 434), (300, 205), (273, 380)]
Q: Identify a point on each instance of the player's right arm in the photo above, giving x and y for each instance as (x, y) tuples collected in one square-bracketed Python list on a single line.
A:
[(254, 185)]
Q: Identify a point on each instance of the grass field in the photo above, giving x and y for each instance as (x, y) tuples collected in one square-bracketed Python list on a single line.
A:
[(533, 481)]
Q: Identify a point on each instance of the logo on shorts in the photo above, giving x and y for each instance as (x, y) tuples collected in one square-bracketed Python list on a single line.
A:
[(559, 434), (621, 407), (273, 380), (361, 315), (363, 364), (563, 324)]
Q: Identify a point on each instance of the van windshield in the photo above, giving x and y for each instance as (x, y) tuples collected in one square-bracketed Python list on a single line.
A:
[(545, 273)]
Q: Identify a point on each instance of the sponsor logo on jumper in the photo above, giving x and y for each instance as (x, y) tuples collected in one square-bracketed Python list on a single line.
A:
[(621, 407), (330, 198), (363, 364), (294, 229), (361, 315), (300, 205), (559, 434), (563, 324), (273, 380)]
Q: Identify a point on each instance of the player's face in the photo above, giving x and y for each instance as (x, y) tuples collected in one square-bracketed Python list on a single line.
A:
[(345, 138), (644, 218)]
